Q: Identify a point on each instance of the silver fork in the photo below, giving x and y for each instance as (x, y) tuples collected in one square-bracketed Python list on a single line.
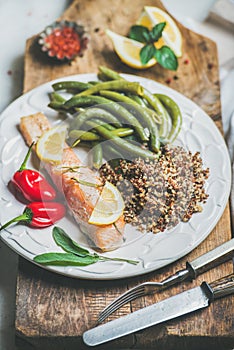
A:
[(193, 269)]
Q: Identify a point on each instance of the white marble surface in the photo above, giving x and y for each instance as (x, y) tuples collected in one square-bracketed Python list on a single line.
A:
[(22, 19)]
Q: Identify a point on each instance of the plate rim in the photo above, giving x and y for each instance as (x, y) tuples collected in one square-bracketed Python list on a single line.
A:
[(144, 270)]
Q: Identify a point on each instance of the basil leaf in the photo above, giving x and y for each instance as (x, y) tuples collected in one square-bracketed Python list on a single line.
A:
[(166, 58), (147, 52), (140, 33), (65, 259), (156, 31), (67, 244)]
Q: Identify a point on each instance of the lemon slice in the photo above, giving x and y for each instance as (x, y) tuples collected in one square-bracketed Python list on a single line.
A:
[(171, 35), (128, 50), (109, 207), (50, 145)]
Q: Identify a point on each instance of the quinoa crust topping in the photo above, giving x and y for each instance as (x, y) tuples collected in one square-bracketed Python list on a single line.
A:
[(159, 194)]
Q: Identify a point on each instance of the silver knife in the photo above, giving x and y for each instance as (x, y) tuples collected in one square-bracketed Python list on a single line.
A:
[(178, 305), (194, 268)]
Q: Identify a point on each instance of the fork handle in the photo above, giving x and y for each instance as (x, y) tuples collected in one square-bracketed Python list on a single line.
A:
[(211, 259)]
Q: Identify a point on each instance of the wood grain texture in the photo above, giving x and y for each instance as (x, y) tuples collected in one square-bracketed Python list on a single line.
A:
[(53, 311)]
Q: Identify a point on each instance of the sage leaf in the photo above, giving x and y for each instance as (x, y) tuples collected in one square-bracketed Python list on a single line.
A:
[(147, 52), (65, 259), (166, 58), (75, 255), (140, 33), (156, 31), (66, 243)]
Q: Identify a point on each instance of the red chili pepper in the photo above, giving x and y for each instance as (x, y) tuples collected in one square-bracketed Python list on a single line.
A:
[(39, 214), (33, 186)]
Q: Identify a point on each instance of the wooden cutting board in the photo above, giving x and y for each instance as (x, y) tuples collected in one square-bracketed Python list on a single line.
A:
[(53, 311)]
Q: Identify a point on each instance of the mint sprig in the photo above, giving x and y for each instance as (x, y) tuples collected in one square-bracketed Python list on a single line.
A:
[(164, 55)]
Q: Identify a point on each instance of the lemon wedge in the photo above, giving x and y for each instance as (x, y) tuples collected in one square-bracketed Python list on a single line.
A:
[(171, 35), (109, 207), (128, 50), (50, 145)]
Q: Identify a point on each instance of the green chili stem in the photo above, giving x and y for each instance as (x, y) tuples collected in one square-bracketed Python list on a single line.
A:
[(24, 164), (26, 217)]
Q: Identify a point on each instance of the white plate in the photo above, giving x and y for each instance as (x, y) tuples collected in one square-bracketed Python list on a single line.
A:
[(199, 133)]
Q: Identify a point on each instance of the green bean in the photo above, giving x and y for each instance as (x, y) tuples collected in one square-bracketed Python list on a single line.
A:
[(122, 132), (79, 110), (109, 74), (175, 114), (57, 98), (143, 103), (137, 99), (97, 155), (82, 101), (106, 125), (94, 112), (102, 77), (116, 85), (123, 144), (93, 82), (84, 135), (141, 112), (112, 107), (165, 127), (85, 144), (57, 106), (113, 75), (76, 86), (132, 139), (155, 103)]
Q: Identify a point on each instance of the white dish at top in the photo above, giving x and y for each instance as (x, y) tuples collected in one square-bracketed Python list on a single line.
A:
[(199, 133)]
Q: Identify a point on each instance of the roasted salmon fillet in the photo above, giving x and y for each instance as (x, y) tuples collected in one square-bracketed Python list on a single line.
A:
[(81, 199)]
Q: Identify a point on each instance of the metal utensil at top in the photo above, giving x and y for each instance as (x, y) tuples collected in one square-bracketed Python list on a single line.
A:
[(193, 269)]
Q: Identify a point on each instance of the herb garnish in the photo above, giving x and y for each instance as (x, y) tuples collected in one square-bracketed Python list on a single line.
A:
[(75, 255), (86, 183), (163, 55)]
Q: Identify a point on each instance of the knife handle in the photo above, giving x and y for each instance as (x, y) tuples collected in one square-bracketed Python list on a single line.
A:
[(211, 259), (220, 288)]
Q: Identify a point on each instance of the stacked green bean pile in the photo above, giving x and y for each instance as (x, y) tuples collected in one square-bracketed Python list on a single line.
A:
[(134, 121)]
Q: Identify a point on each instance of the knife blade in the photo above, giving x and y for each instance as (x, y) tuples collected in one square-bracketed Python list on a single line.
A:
[(173, 307)]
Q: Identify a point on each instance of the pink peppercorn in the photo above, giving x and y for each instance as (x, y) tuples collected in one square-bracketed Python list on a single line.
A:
[(168, 81), (63, 43), (63, 40)]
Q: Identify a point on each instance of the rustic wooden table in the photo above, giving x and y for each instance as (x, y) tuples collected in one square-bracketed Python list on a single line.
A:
[(53, 311)]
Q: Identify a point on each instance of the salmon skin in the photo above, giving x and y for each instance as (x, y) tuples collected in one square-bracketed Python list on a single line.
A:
[(81, 199)]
